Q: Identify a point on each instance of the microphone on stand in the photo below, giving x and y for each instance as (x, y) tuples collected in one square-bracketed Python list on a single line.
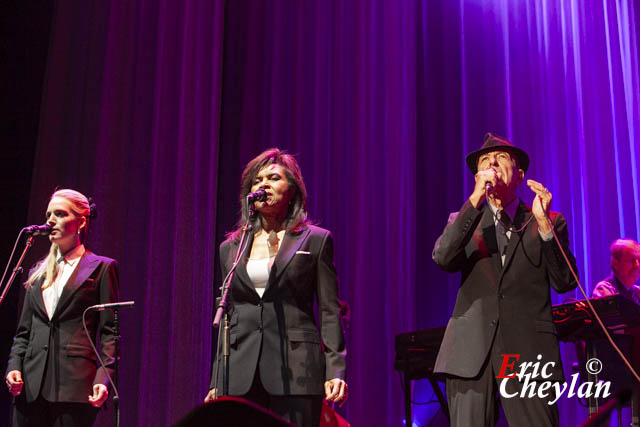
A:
[(116, 351), (33, 230), (257, 196), (38, 230), (102, 307)]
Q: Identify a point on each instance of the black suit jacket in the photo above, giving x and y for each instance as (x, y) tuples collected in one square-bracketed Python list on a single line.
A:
[(516, 296), (55, 356), (278, 332)]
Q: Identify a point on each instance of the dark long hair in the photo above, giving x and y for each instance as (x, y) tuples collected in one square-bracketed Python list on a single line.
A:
[(296, 217)]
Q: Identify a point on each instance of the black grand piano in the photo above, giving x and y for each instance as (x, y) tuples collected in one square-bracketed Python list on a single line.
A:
[(416, 351)]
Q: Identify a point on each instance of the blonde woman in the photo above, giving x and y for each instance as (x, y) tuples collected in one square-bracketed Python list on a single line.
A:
[(52, 371)]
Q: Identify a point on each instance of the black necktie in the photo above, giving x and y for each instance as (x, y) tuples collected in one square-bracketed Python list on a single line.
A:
[(504, 222)]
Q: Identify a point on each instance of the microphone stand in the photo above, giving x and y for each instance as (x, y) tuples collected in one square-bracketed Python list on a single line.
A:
[(116, 333), (116, 350), (16, 270), (222, 312)]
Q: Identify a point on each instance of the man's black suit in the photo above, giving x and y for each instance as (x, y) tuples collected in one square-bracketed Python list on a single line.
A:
[(507, 304), (54, 355), (277, 334)]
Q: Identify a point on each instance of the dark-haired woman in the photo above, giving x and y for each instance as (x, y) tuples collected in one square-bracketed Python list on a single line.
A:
[(52, 368), (280, 359)]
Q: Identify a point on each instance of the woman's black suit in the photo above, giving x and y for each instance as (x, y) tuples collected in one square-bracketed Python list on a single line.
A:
[(54, 355), (277, 333)]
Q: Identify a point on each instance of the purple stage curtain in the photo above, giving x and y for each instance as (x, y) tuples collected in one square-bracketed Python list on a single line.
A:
[(153, 108), (131, 116)]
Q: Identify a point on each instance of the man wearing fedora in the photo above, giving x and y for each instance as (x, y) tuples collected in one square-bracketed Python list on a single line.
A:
[(508, 260)]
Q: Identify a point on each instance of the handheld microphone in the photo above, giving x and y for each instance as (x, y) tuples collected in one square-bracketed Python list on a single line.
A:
[(488, 188), (38, 230), (257, 196), (111, 305)]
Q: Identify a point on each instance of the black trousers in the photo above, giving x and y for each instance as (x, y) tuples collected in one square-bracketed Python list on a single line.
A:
[(303, 410), (473, 401), (42, 413)]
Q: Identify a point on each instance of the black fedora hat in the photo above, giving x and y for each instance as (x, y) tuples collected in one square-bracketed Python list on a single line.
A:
[(494, 142)]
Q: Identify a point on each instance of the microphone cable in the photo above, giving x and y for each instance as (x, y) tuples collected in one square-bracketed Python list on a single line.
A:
[(588, 302)]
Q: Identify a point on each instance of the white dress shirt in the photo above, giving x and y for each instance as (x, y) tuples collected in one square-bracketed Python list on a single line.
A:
[(66, 266), (258, 271)]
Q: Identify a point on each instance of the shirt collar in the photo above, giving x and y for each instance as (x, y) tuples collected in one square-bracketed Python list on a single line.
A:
[(72, 257), (510, 209)]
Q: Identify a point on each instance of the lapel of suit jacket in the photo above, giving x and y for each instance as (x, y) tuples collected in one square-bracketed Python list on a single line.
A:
[(290, 245), (87, 264), (241, 269), (36, 294), (488, 227), (522, 215)]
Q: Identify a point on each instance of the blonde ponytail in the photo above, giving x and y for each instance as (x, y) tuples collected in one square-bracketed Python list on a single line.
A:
[(47, 268)]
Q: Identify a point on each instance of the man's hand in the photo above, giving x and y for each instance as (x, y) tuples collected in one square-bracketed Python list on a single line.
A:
[(14, 382), (100, 394), (211, 395), (484, 177), (336, 390), (540, 205)]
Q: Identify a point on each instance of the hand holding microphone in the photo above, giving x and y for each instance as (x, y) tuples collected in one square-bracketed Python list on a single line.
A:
[(489, 186), (486, 181)]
